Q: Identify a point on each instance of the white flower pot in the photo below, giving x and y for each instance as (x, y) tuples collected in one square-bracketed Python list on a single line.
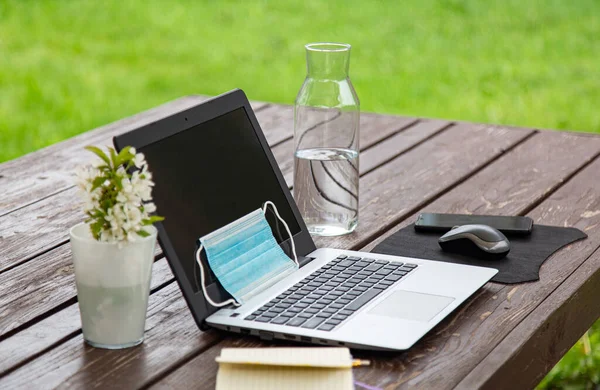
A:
[(113, 285)]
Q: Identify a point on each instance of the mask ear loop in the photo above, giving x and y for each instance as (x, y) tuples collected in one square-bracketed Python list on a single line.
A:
[(287, 229), (203, 284), (233, 301)]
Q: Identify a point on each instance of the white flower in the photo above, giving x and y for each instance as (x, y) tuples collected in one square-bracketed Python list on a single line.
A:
[(89, 205), (122, 201), (85, 177), (132, 236), (139, 160), (121, 198), (134, 215), (98, 163), (150, 207), (126, 184)]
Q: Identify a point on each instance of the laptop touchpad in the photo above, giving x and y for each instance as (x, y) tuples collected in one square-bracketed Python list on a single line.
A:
[(412, 306)]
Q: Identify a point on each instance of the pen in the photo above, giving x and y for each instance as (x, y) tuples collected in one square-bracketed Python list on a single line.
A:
[(359, 362)]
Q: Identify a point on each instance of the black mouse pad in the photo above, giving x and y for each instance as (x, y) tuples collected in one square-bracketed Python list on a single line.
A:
[(522, 264)]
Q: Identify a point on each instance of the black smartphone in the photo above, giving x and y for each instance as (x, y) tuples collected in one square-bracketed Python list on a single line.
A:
[(444, 222)]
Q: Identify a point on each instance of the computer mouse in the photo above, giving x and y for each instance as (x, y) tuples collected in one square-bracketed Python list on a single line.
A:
[(479, 241)]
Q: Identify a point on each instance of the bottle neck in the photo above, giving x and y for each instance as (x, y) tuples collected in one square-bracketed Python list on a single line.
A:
[(328, 60)]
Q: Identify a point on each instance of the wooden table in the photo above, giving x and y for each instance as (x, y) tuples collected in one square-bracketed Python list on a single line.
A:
[(505, 335)]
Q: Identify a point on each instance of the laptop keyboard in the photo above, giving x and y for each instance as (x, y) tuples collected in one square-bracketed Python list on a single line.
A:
[(331, 294)]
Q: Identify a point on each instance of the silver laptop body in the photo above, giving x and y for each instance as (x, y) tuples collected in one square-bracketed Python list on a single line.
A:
[(207, 161), (393, 320)]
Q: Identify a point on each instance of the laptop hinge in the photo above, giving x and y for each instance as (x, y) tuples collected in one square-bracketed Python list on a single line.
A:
[(304, 260)]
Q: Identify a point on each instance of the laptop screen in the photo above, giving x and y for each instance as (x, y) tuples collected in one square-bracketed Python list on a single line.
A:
[(210, 175)]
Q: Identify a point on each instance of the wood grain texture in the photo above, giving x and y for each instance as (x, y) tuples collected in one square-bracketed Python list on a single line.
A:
[(568, 308), (170, 331), (62, 325), (464, 168), (476, 147), (49, 170), (391, 193), (38, 227), (43, 225), (47, 227), (277, 123), (201, 371), (538, 342), (52, 282), (457, 344), (33, 185), (418, 154), (460, 342), (400, 143), (375, 127), (374, 150), (515, 182)]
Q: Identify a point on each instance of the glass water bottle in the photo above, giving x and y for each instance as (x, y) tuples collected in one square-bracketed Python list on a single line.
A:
[(326, 137)]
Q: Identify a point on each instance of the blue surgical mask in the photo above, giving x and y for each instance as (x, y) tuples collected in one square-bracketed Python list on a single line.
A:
[(245, 257)]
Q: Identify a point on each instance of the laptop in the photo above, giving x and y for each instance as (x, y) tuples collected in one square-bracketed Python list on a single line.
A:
[(212, 165)]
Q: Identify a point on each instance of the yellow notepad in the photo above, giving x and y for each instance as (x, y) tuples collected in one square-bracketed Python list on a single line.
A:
[(285, 368)]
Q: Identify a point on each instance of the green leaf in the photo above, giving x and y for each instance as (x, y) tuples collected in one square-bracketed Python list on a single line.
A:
[(124, 155), (106, 204), (98, 152), (116, 178), (96, 228), (98, 214), (105, 169), (152, 219), (143, 233), (98, 182), (113, 157)]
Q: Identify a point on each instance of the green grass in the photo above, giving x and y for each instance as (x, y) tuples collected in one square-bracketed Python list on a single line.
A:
[(69, 66), (580, 367)]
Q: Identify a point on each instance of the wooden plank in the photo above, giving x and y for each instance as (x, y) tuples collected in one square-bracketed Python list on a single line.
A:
[(63, 325), (37, 228), (521, 178), (441, 355), (521, 360), (50, 284), (391, 193), (374, 151), (458, 344), (201, 371), (43, 225), (573, 302), (170, 331), (38, 176), (400, 143), (277, 123), (491, 142), (46, 293), (48, 227), (49, 170)]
